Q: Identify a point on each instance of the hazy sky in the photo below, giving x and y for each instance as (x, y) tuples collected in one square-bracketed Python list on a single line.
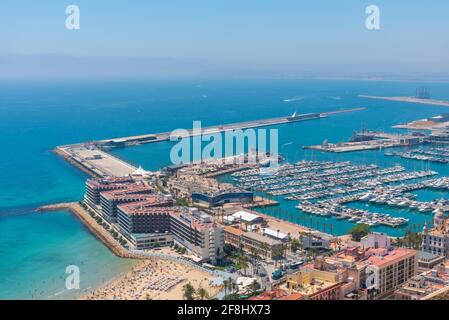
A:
[(265, 36)]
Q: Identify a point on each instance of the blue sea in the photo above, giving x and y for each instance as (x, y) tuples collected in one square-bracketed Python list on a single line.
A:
[(35, 117)]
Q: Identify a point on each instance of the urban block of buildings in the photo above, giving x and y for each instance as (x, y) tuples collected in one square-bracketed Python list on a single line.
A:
[(146, 218)]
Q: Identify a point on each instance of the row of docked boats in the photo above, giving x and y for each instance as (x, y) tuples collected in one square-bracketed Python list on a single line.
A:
[(404, 201), (358, 216), (432, 154)]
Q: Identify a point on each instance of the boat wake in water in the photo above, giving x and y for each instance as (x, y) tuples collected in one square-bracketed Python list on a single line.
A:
[(293, 99)]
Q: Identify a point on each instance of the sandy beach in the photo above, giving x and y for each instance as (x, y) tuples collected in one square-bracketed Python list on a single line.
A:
[(154, 279)]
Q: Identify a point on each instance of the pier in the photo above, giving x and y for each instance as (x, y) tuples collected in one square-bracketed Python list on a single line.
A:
[(370, 140), (90, 223), (165, 136), (93, 158), (94, 161)]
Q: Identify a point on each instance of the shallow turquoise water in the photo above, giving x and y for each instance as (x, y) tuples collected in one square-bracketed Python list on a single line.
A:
[(35, 117), (36, 250)]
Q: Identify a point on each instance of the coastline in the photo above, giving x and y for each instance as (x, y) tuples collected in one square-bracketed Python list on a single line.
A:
[(148, 268), (93, 226)]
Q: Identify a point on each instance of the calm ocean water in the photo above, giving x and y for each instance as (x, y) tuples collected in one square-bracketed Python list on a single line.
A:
[(35, 117)]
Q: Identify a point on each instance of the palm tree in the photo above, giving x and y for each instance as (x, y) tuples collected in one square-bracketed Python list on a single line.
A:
[(242, 262), (278, 252), (202, 293), (255, 286), (255, 255), (188, 291), (265, 247), (226, 284), (230, 284)]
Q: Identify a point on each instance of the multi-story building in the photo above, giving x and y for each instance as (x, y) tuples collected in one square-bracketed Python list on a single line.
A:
[(147, 224), (250, 241), (391, 268), (314, 284), (436, 239), (277, 294), (376, 240), (95, 186), (146, 217), (197, 231), (109, 200)]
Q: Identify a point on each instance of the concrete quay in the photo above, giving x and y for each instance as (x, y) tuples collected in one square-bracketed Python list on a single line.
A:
[(94, 161), (165, 136)]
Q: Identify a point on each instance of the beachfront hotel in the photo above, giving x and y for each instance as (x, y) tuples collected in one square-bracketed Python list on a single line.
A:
[(148, 219), (145, 224), (198, 232), (110, 200), (95, 186), (436, 239)]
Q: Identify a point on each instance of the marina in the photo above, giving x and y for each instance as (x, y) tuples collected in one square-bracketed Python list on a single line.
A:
[(325, 188)]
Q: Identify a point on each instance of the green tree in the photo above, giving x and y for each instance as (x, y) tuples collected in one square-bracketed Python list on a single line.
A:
[(278, 253), (226, 284), (412, 240), (188, 291), (265, 248), (183, 202), (242, 262), (255, 255), (295, 245), (202, 293), (359, 231), (255, 286)]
